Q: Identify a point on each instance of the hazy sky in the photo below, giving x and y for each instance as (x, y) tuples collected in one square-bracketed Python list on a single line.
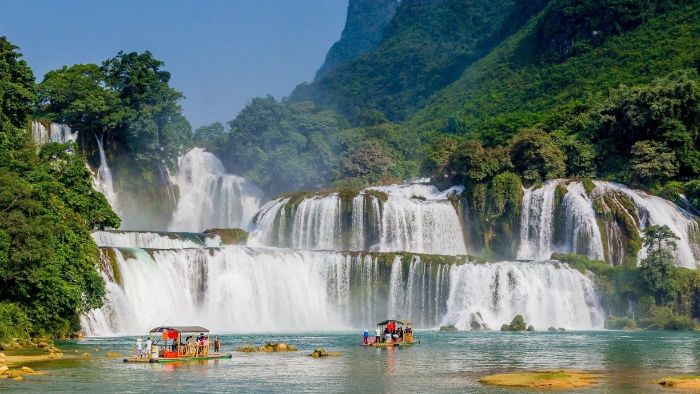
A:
[(220, 53)]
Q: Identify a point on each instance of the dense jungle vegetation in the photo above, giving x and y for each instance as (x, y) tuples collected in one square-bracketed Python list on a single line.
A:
[(48, 260)]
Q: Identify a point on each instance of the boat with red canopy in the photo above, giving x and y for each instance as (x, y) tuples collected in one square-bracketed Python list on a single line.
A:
[(176, 343), (391, 333)]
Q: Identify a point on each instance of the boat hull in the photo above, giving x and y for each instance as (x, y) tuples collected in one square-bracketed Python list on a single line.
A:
[(178, 359)]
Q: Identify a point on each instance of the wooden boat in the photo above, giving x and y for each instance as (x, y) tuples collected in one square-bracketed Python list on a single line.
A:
[(195, 346), (400, 334)]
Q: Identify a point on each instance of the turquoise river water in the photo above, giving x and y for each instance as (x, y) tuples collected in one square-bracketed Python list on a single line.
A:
[(442, 362)]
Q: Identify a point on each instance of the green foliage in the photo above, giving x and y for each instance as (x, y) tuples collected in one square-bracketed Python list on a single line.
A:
[(517, 324), (425, 46), (48, 260), (536, 157), (652, 161), (15, 324), (283, 147), (692, 192), (619, 323), (367, 161)]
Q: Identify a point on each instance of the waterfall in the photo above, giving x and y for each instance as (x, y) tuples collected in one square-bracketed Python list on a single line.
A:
[(54, 133), (103, 181), (154, 240), (209, 197), (652, 210), (244, 289), (412, 217), (560, 216), (536, 223)]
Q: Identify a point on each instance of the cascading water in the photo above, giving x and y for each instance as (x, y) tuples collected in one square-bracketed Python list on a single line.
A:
[(211, 198), (414, 217), (53, 133), (561, 216), (243, 289), (103, 180)]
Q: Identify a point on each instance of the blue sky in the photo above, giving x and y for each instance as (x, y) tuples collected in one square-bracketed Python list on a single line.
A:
[(220, 53)]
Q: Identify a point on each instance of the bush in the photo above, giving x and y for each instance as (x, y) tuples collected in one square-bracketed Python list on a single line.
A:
[(517, 324), (15, 323), (619, 323)]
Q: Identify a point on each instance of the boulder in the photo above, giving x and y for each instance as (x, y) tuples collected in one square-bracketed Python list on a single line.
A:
[(27, 370), (3, 369), (17, 378), (448, 328), (86, 355), (530, 328), (247, 348), (476, 322), (561, 329), (318, 353), (517, 324), (551, 329)]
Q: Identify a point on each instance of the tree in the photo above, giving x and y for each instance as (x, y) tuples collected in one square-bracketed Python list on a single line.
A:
[(48, 259), (652, 161), (535, 157), (657, 267), (367, 161), (211, 135), (692, 192)]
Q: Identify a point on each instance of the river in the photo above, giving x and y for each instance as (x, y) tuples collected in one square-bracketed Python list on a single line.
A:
[(442, 362)]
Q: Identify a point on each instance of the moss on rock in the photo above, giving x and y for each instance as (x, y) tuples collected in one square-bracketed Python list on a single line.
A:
[(229, 236)]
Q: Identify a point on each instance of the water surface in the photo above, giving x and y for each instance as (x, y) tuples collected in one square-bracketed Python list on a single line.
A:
[(442, 362)]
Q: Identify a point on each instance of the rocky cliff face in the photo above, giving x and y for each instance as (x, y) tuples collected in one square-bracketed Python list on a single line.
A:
[(363, 31)]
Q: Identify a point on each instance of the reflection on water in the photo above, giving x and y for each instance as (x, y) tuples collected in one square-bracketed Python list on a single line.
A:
[(443, 362)]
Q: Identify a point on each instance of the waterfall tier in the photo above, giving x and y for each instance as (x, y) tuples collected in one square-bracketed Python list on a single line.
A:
[(413, 217), (243, 289), (209, 197), (605, 222), (53, 133)]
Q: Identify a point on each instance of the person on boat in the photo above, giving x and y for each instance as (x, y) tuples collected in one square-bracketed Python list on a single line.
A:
[(149, 343), (365, 337), (387, 335), (378, 335), (139, 347), (400, 333), (216, 344)]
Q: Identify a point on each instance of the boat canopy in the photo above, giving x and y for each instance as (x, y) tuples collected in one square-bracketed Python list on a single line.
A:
[(180, 329), (385, 322)]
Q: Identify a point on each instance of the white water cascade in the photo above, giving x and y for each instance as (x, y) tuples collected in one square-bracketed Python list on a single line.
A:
[(243, 289), (54, 133), (209, 197), (575, 226), (103, 179), (412, 217)]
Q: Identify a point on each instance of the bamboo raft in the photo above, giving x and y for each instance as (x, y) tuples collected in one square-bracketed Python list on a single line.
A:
[(173, 348)]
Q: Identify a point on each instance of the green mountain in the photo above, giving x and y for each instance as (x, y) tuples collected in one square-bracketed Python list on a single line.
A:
[(426, 46), (363, 30)]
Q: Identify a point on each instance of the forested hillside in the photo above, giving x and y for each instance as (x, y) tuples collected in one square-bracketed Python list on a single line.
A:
[(606, 88)]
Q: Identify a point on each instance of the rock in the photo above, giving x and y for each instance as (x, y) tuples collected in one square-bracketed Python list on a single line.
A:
[(56, 355), (476, 322), (247, 348), (530, 328), (26, 370), (2, 356), (281, 347), (113, 354), (518, 324), (13, 373), (229, 236), (3, 369), (42, 345), (17, 378), (561, 329), (86, 355), (557, 379), (551, 329), (318, 353), (448, 328), (683, 382)]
